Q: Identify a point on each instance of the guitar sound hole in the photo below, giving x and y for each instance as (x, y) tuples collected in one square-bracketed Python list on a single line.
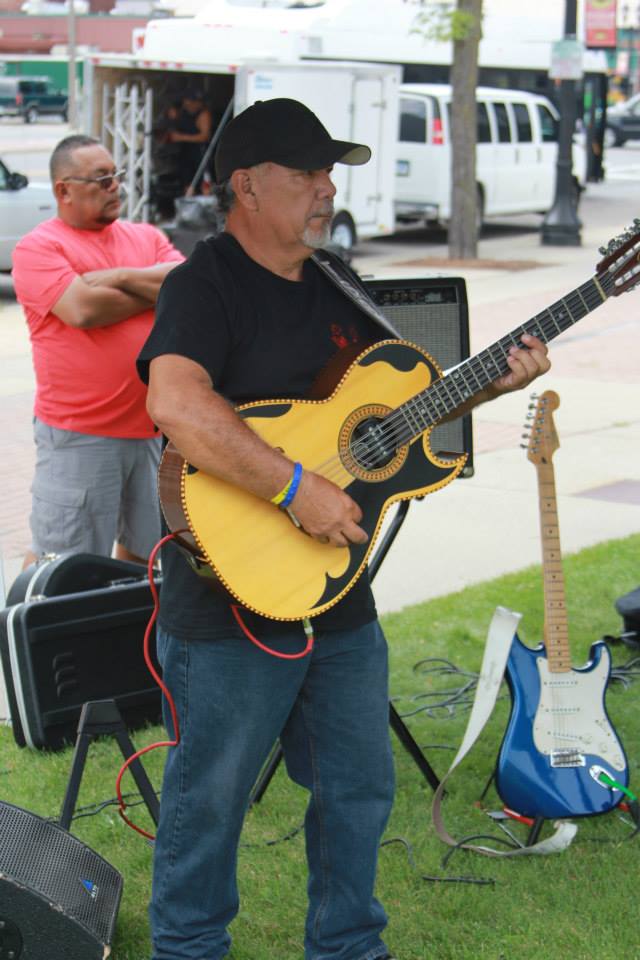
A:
[(369, 447)]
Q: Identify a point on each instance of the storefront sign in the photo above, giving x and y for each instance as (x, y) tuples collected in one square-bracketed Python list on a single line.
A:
[(600, 23)]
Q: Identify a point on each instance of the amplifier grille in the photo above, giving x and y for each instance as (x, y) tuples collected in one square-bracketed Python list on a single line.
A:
[(432, 313)]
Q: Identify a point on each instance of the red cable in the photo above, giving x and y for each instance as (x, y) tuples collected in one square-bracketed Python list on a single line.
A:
[(270, 650), (154, 673), (158, 679)]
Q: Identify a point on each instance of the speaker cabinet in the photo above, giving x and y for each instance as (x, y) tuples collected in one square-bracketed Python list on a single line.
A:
[(433, 313), (58, 899)]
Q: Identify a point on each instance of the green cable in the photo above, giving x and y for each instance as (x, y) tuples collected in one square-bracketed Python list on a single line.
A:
[(610, 782)]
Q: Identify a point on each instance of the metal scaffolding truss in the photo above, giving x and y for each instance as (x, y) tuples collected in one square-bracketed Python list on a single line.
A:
[(127, 112)]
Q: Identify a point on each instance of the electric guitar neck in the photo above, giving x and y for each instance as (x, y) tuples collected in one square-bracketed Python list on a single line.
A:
[(543, 442)]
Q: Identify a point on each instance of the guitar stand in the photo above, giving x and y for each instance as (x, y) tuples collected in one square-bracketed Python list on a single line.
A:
[(397, 725), (99, 718), (536, 826)]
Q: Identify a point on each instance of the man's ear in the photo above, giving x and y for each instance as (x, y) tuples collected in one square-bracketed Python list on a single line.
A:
[(242, 182), (61, 192)]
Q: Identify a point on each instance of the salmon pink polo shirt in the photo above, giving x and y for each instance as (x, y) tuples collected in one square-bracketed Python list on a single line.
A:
[(86, 380)]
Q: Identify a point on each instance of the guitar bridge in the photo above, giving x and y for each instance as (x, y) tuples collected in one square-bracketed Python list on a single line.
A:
[(567, 758)]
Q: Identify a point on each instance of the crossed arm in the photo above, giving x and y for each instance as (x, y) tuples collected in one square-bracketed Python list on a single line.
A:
[(101, 298)]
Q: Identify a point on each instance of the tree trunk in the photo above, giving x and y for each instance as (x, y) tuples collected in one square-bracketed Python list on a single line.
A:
[(465, 199)]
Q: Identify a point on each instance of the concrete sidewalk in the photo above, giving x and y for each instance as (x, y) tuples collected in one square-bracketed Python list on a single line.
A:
[(487, 525)]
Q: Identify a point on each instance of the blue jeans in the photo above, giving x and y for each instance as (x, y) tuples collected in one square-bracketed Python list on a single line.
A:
[(331, 711)]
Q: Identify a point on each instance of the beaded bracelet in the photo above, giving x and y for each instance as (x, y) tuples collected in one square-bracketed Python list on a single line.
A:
[(293, 486)]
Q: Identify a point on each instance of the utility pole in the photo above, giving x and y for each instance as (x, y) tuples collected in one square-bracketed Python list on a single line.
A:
[(71, 73), (561, 226)]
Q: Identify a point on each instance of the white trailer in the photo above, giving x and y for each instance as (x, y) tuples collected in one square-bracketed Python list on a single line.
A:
[(125, 94)]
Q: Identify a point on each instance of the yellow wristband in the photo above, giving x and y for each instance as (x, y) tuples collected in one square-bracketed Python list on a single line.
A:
[(279, 497)]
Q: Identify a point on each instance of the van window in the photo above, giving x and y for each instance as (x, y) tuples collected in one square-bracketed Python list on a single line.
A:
[(484, 130), (7, 88), (523, 122), (502, 122), (548, 124), (413, 121)]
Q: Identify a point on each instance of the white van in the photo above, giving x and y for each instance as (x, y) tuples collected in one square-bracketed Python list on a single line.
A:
[(517, 148)]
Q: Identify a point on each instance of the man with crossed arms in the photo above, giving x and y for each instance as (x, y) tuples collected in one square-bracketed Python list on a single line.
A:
[(88, 283)]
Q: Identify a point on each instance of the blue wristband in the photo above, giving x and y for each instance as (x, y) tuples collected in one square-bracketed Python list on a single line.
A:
[(293, 487)]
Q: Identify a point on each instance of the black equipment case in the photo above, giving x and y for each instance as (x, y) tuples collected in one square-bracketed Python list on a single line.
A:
[(628, 607), (72, 632)]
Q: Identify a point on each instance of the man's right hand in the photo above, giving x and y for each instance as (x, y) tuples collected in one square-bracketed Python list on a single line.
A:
[(326, 512)]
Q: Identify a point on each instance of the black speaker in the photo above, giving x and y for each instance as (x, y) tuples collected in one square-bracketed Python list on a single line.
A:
[(628, 606), (58, 898), (432, 312)]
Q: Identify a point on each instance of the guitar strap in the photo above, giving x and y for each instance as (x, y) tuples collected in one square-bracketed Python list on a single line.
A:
[(499, 638), (347, 282)]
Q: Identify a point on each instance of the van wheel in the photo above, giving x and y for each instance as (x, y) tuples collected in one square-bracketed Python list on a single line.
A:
[(31, 115), (343, 231), (479, 210)]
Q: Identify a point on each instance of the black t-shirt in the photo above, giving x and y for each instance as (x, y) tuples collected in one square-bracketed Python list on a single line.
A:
[(259, 337)]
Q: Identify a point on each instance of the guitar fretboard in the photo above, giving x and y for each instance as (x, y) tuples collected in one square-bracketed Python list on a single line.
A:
[(556, 631), (449, 392)]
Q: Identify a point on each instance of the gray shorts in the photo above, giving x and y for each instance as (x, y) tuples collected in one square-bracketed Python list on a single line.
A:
[(91, 491)]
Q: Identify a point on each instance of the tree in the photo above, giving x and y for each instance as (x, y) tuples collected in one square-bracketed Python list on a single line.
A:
[(462, 25)]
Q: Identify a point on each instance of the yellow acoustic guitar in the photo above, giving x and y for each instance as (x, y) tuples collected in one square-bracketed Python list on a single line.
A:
[(371, 438)]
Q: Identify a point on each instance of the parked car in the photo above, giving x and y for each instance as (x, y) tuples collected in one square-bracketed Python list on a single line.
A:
[(29, 97), (623, 122), (23, 206)]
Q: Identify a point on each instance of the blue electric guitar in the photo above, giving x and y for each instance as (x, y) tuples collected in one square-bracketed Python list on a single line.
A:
[(559, 741)]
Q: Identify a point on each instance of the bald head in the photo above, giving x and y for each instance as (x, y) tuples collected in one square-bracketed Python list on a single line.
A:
[(61, 162)]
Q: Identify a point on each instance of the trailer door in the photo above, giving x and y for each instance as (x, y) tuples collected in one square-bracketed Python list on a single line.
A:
[(349, 99), (364, 182)]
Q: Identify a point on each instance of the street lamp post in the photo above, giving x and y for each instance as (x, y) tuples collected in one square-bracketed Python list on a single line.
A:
[(561, 226)]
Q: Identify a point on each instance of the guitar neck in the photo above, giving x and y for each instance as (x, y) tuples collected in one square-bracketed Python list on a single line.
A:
[(556, 632), (471, 377)]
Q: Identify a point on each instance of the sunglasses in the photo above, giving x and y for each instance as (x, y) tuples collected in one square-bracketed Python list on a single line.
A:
[(105, 182)]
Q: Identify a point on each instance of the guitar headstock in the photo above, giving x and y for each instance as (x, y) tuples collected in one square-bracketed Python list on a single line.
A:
[(542, 436), (620, 267)]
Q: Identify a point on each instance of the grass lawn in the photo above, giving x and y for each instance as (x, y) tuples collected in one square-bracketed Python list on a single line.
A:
[(579, 904)]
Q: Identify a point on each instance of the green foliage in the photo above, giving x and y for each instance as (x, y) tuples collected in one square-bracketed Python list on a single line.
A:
[(576, 904), (444, 22)]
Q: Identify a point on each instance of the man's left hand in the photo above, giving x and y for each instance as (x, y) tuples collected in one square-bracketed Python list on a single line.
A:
[(525, 364)]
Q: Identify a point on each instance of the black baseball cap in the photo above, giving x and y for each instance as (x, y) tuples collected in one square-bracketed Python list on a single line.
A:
[(281, 131)]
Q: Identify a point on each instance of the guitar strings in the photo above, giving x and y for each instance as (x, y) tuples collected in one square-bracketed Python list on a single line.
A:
[(395, 430)]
